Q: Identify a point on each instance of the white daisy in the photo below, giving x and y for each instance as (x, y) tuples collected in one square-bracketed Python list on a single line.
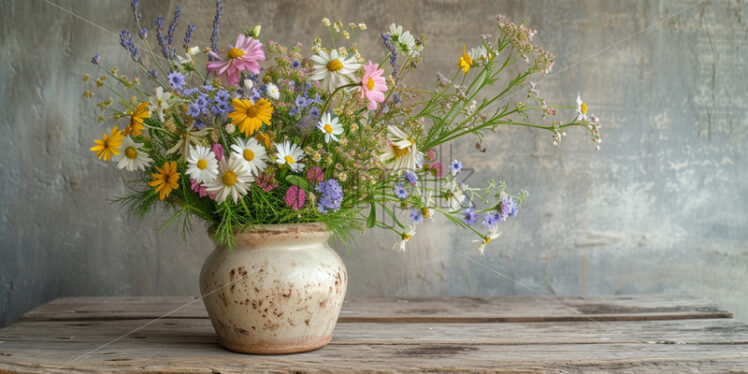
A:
[(330, 126), (272, 91), (487, 239), (233, 179), (290, 154), (404, 41), (202, 165), (132, 157), (159, 102), (336, 70), (401, 151), (253, 154), (581, 109), (410, 231)]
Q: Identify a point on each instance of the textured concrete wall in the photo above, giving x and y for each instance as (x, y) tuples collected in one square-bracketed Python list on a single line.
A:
[(662, 208)]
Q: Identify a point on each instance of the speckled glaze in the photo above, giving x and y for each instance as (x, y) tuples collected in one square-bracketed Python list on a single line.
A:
[(280, 291)]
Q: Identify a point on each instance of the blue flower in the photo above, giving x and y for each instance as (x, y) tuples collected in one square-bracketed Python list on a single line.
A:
[(202, 101), (153, 73), (491, 220), (143, 33), (317, 99), (294, 112), (331, 195), (411, 177), (301, 102), (176, 79), (222, 96), (416, 216), (199, 125), (295, 64), (400, 191), (188, 35), (96, 60), (455, 167), (314, 112), (208, 87), (507, 207), (190, 91), (193, 110), (255, 95), (470, 216)]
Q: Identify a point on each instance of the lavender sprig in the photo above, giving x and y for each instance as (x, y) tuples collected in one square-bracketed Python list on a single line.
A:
[(188, 35), (160, 36), (393, 52), (125, 40), (135, 4), (216, 26), (170, 32)]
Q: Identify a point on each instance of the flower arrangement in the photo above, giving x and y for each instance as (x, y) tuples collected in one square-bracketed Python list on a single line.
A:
[(253, 132)]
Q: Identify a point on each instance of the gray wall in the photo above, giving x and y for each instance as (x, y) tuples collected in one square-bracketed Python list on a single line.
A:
[(660, 209)]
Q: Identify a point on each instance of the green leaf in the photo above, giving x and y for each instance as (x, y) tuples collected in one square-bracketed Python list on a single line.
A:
[(299, 181), (372, 216)]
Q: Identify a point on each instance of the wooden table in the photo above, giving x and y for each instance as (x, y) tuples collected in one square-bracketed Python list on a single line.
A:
[(458, 334)]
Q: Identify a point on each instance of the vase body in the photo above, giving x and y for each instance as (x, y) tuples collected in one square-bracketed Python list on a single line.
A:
[(279, 291)]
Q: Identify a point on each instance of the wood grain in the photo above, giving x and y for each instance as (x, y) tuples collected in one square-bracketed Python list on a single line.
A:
[(425, 310)]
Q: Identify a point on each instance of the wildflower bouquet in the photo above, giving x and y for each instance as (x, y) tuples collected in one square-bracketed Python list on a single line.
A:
[(254, 132)]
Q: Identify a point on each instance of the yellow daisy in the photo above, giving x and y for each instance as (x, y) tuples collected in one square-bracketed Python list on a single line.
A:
[(250, 117), (465, 61), (165, 180), (109, 145), (136, 119)]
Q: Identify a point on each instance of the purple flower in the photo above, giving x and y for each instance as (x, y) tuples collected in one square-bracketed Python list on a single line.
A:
[(301, 102), (172, 29), (222, 96), (317, 99), (96, 60), (294, 112), (255, 95), (507, 207), (160, 36), (393, 52), (153, 73), (202, 101), (125, 40), (491, 220), (411, 177), (470, 216), (416, 216), (400, 191), (295, 64), (455, 167), (143, 33), (295, 197), (208, 87), (190, 91), (188, 35), (193, 110), (216, 25), (314, 112), (135, 4), (331, 196), (176, 79)]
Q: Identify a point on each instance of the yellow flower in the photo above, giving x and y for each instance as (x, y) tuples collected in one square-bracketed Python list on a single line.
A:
[(136, 119), (250, 117), (264, 138), (165, 180), (108, 145), (465, 61)]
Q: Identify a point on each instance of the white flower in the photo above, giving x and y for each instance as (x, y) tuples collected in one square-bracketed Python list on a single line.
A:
[(159, 102), (477, 53), (401, 151), (191, 51), (581, 109), (132, 157), (404, 41), (411, 230), (189, 137), (330, 126), (454, 195), (487, 239), (272, 91), (290, 154), (233, 179), (253, 154), (248, 84), (336, 70), (202, 165)]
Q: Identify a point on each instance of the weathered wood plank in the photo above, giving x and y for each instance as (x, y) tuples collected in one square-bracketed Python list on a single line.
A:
[(448, 310), (192, 357), (179, 331)]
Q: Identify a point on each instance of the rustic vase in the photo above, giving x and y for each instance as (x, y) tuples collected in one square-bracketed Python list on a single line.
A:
[(279, 291)]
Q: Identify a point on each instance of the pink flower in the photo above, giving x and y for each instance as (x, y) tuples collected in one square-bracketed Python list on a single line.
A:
[(245, 54), (295, 197), (200, 189), (373, 85), (266, 182), (218, 150), (431, 154), (315, 174)]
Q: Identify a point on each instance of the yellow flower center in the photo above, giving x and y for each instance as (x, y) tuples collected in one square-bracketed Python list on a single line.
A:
[(235, 52), (488, 240), (399, 152), (248, 155), (584, 107), (406, 236), (289, 160), (370, 84), (426, 212), (131, 153), (334, 65), (229, 178), (202, 164), (328, 128), (252, 110)]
